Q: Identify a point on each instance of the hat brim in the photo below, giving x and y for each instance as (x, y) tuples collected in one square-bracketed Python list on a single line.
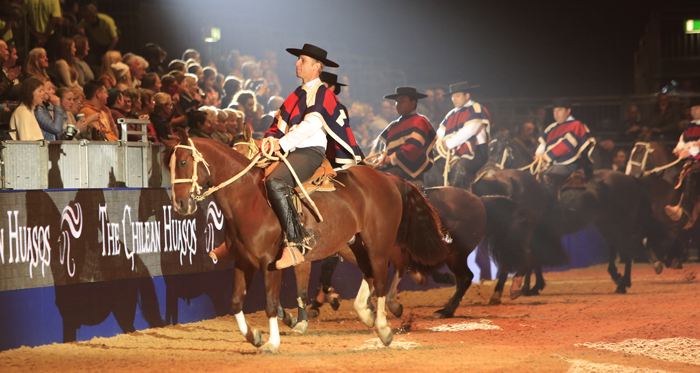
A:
[(298, 52), (461, 90), (417, 96)]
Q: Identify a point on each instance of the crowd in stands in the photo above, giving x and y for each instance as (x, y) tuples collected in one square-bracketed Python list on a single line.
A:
[(72, 88)]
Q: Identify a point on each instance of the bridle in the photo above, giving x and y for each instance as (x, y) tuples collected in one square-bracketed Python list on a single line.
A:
[(643, 164), (195, 190)]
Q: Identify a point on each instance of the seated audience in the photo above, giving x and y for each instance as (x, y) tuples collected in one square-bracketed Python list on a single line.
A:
[(71, 105), (7, 79), (198, 122), (189, 98), (221, 134), (107, 74), (81, 50), (116, 103), (64, 68), (154, 55), (134, 97), (96, 103), (137, 69), (146, 103), (151, 81), (231, 86), (49, 114), (160, 118), (23, 121), (36, 64), (121, 74)]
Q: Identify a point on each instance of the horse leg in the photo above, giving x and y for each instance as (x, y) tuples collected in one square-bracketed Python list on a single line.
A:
[(363, 311), (463, 279), (242, 279), (379, 267), (527, 291), (325, 288), (539, 284), (516, 286), (273, 283), (392, 301), (302, 273), (498, 290)]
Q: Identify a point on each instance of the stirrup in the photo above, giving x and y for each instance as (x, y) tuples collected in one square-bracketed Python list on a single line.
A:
[(290, 257), (675, 213)]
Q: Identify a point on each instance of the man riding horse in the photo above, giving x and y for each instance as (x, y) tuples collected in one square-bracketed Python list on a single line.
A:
[(563, 147), (688, 148), (309, 126), (466, 131), (409, 139)]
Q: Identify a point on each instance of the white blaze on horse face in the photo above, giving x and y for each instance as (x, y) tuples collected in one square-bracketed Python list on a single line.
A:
[(242, 326), (172, 169), (274, 332)]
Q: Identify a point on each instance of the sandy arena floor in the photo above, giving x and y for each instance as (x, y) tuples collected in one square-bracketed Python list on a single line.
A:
[(577, 325)]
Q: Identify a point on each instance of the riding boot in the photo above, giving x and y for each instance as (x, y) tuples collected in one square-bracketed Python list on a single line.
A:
[(279, 195), (687, 202)]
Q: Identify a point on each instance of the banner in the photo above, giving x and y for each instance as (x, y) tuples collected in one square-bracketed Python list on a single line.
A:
[(55, 238)]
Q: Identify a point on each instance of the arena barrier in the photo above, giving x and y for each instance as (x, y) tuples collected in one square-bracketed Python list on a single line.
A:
[(96, 261)]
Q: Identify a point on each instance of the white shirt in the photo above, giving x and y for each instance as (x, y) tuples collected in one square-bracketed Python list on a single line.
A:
[(465, 133), (309, 133)]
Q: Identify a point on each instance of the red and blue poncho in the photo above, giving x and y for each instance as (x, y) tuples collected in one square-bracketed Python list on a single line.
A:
[(564, 142), (410, 140)]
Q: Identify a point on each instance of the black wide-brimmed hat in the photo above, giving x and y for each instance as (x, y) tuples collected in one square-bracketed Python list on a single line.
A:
[(406, 91), (694, 101), (460, 87), (331, 79), (561, 102), (313, 52)]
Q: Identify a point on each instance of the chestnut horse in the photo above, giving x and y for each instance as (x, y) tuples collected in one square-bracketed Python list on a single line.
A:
[(387, 223)]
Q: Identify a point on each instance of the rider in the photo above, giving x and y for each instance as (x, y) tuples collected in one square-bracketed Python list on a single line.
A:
[(562, 147), (308, 127), (409, 139), (466, 130), (688, 148)]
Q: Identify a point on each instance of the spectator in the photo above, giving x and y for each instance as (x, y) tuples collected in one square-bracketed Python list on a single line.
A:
[(64, 68), (160, 118), (121, 74), (137, 69), (221, 134), (524, 143), (82, 47), (36, 64), (198, 122), (663, 122), (100, 30), (234, 125), (189, 98), (632, 124), (23, 121), (107, 75), (134, 96), (207, 79), (147, 104), (176, 65), (7, 79), (191, 54), (246, 103), (231, 86), (49, 114), (212, 98), (71, 103), (117, 105), (619, 162), (96, 102), (42, 18), (151, 81), (154, 55)]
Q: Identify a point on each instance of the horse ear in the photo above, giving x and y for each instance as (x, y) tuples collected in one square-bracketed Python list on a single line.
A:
[(183, 135)]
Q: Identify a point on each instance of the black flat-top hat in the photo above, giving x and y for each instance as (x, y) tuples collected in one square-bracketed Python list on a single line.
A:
[(561, 102), (406, 91), (460, 87), (313, 52), (331, 79)]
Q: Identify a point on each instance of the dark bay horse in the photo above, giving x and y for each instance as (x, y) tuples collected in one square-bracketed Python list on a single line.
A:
[(389, 219)]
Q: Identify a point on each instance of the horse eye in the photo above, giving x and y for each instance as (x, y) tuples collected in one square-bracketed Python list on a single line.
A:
[(183, 163)]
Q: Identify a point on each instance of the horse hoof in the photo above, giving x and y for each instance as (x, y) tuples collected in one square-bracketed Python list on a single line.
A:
[(396, 309), (300, 327), (257, 338), (617, 280), (366, 316), (442, 314), (515, 294), (268, 348), (620, 290), (386, 336), (495, 301), (335, 302), (658, 267), (289, 320), (676, 264), (312, 311)]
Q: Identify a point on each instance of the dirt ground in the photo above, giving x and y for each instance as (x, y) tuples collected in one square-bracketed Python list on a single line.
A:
[(578, 324)]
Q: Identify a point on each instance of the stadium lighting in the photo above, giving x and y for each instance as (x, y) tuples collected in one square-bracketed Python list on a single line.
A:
[(692, 26), (214, 35)]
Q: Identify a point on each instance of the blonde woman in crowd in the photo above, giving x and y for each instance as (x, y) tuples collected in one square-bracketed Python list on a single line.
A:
[(147, 104), (121, 74), (82, 48), (31, 95), (71, 101), (36, 64), (107, 75), (64, 68)]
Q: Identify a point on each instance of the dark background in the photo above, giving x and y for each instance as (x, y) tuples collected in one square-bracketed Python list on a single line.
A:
[(512, 48)]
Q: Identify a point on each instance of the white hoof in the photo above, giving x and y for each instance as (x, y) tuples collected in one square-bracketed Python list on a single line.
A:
[(367, 316), (385, 335), (268, 348), (300, 327)]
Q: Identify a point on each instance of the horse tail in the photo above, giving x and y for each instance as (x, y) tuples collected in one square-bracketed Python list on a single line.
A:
[(545, 243), (507, 232), (420, 231)]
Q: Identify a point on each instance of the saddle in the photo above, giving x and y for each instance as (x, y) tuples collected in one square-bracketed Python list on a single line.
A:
[(488, 172), (577, 180), (321, 181)]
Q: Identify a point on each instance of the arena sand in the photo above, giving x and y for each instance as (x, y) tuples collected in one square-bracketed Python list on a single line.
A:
[(577, 325)]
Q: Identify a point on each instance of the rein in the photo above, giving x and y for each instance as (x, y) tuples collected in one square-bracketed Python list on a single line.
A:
[(447, 154), (642, 165), (196, 190)]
